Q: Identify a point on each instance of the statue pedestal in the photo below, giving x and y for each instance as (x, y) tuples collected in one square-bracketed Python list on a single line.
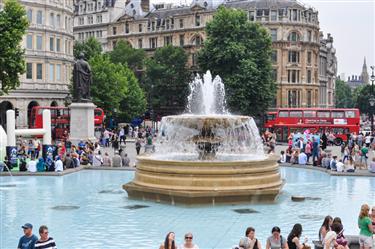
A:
[(82, 122)]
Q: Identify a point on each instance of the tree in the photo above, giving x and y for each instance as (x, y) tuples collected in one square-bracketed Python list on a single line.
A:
[(361, 97), (343, 95), (167, 80), (240, 52), (13, 25), (116, 88), (123, 53), (89, 48)]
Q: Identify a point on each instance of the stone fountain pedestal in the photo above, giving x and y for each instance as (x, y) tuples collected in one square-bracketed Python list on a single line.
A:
[(205, 182)]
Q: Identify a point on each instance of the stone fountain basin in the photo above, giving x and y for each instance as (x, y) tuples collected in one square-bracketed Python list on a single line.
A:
[(191, 182)]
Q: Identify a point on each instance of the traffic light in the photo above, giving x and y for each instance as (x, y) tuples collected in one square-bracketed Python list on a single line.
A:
[(17, 111)]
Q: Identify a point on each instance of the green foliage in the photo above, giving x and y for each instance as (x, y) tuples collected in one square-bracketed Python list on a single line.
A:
[(167, 80), (361, 97), (123, 53), (13, 25), (240, 52), (116, 88), (343, 95), (89, 48)]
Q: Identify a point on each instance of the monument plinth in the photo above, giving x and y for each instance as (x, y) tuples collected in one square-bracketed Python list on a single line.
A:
[(82, 122)]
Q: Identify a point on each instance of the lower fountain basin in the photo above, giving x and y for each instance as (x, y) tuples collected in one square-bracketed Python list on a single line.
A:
[(209, 182)]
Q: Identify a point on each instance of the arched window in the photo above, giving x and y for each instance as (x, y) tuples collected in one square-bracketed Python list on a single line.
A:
[(39, 17), (293, 37), (197, 40), (31, 119), (30, 15)]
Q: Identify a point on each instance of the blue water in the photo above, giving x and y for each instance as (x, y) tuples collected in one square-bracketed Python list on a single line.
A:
[(101, 221)]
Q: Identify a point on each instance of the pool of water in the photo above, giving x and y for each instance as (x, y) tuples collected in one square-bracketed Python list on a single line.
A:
[(89, 209)]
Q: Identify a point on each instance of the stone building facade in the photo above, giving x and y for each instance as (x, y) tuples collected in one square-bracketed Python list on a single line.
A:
[(49, 59), (92, 17)]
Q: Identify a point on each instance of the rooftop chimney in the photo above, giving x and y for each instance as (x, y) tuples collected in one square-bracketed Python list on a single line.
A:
[(145, 5)]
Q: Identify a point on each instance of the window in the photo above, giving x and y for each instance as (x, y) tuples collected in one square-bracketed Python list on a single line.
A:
[(293, 76), (153, 42), (274, 56), (182, 40), (58, 72), (58, 45), (323, 114), (114, 30), (167, 40), (30, 15), (58, 21), (283, 114), (51, 72), (29, 70), (99, 19), (52, 20), (90, 19), (295, 114), (293, 57), (273, 15), (350, 114), (140, 27), (308, 76), (39, 42), (153, 26), (81, 21), (39, 17), (274, 34), (251, 16), (194, 59), (51, 44), (309, 36), (198, 40), (337, 114), (29, 42), (274, 75), (114, 44), (167, 24), (197, 20), (309, 54), (309, 98), (294, 99), (293, 37), (39, 71), (309, 114), (181, 23), (140, 45), (126, 27)]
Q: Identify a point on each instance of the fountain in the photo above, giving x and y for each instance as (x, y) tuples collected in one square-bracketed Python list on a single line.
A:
[(206, 155)]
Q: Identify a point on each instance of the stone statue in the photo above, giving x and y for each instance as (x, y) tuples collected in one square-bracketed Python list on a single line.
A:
[(82, 80)]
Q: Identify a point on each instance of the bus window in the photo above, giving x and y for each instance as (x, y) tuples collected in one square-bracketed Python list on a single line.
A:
[(349, 114), (283, 114), (337, 114), (338, 131), (323, 114), (296, 114), (270, 116), (309, 114)]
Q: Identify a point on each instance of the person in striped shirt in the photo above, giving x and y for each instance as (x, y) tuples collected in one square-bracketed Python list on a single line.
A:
[(45, 242)]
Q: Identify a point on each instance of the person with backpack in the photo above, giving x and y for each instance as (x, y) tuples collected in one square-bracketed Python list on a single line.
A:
[(276, 241), (249, 241)]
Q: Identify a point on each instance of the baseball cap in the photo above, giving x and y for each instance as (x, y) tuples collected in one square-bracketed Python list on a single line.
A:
[(27, 225)]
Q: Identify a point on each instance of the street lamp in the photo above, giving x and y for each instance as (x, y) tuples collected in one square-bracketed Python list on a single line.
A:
[(372, 99)]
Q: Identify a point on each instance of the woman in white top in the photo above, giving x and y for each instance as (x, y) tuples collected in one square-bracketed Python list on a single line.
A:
[(330, 238), (59, 166), (189, 242), (31, 165), (97, 159)]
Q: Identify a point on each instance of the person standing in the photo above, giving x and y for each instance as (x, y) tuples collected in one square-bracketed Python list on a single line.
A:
[(27, 241), (324, 142), (366, 228), (45, 242), (122, 135), (315, 150), (138, 146)]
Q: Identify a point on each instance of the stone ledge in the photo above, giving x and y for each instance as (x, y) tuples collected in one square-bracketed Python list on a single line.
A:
[(360, 172)]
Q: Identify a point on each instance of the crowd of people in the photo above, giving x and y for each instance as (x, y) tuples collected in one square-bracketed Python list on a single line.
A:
[(331, 235), (307, 148), (66, 155)]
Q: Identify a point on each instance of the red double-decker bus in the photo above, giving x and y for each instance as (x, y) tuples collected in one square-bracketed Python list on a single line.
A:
[(60, 119), (340, 122)]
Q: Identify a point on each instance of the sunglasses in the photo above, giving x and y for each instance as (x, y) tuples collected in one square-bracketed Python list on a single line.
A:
[(188, 237)]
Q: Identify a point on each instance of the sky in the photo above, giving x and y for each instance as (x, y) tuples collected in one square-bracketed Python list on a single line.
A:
[(352, 25)]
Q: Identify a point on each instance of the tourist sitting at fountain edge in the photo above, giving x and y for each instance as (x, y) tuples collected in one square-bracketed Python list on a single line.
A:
[(249, 242), (169, 242), (371, 167), (331, 237), (276, 241), (325, 228), (294, 237), (340, 239), (189, 242), (282, 157), (302, 158)]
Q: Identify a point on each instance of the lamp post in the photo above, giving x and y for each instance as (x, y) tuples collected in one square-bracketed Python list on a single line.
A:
[(372, 99)]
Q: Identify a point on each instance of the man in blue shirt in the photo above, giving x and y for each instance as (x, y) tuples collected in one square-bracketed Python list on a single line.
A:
[(28, 240)]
